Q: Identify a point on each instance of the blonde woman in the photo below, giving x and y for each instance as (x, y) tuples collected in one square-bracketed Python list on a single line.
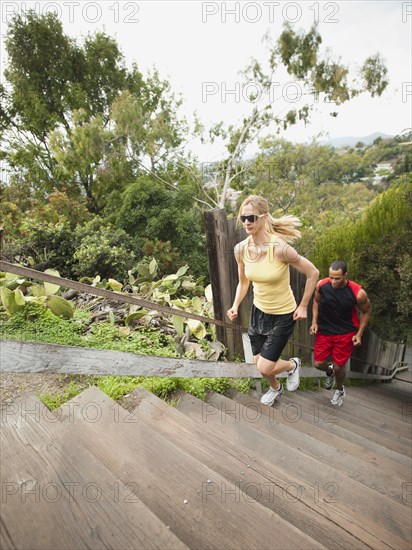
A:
[(263, 258)]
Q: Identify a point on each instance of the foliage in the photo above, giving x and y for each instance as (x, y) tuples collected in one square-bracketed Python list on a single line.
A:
[(297, 54), (102, 250), (56, 400), (152, 213), (46, 245), (376, 248), (16, 293), (80, 120)]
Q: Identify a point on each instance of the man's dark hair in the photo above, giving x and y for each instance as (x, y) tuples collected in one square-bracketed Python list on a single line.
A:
[(335, 266)]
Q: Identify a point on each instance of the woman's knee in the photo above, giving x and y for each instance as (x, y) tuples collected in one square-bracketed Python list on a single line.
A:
[(265, 366)]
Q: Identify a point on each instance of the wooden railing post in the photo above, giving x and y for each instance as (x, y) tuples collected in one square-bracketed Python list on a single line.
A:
[(219, 269)]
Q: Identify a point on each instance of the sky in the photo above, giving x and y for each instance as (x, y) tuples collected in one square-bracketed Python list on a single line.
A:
[(201, 47)]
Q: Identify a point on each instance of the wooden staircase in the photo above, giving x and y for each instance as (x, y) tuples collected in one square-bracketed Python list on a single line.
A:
[(227, 473)]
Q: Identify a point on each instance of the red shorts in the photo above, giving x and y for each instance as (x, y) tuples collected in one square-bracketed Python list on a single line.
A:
[(340, 346)]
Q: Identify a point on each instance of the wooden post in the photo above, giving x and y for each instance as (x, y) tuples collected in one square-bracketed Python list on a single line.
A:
[(219, 270), (221, 237)]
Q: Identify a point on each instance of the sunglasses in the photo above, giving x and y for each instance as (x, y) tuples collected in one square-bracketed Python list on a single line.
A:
[(252, 218)]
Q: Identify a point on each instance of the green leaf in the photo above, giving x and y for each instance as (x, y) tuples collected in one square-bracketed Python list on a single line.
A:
[(143, 270), (152, 267), (179, 303), (86, 280), (51, 288), (182, 270), (178, 323), (189, 285), (115, 285), (60, 307), (111, 317), (19, 297), (172, 277), (8, 299), (11, 281), (38, 290), (135, 316), (208, 293), (197, 328), (197, 304)]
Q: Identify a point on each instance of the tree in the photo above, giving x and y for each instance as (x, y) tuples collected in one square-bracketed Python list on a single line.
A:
[(320, 78), (376, 248), (152, 213), (79, 119)]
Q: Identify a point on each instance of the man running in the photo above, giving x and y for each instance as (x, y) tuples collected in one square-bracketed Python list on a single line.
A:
[(336, 324)]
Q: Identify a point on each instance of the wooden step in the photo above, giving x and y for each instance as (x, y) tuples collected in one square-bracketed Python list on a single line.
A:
[(299, 435), (387, 400), (291, 414), (359, 410), (255, 478), (56, 494), (170, 482), (318, 403), (385, 405), (371, 513)]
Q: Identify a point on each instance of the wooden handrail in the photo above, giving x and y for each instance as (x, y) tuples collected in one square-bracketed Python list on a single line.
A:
[(25, 357), (108, 294)]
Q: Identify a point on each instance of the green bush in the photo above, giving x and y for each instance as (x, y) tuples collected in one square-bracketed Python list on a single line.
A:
[(49, 245), (376, 248), (102, 250), (155, 215)]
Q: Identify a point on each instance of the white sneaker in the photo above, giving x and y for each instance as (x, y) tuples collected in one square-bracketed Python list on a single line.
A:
[(330, 379), (271, 395), (338, 396), (293, 377)]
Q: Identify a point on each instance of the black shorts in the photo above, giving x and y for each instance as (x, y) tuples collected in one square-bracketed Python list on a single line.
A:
[(269, 334)]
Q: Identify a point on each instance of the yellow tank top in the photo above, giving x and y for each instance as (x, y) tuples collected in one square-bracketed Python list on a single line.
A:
[(271, 282)]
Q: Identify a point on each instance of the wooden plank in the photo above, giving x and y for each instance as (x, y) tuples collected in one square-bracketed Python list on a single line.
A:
[(380, 396), (221, 260), (359, 508), (328, 418), (56, 494), (292, 415), (321, 404), (23, 357), (214, 273), (261, 480), (52, 358), (405, 376), (359, 411), (301, 435), (172, 483)]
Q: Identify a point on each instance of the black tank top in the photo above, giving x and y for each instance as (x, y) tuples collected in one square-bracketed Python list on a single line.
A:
[(337, 308)]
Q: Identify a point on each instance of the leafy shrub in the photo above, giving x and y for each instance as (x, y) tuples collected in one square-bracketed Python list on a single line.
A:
[(154, 214), (102, 250), (376, 250), (47, 245)]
